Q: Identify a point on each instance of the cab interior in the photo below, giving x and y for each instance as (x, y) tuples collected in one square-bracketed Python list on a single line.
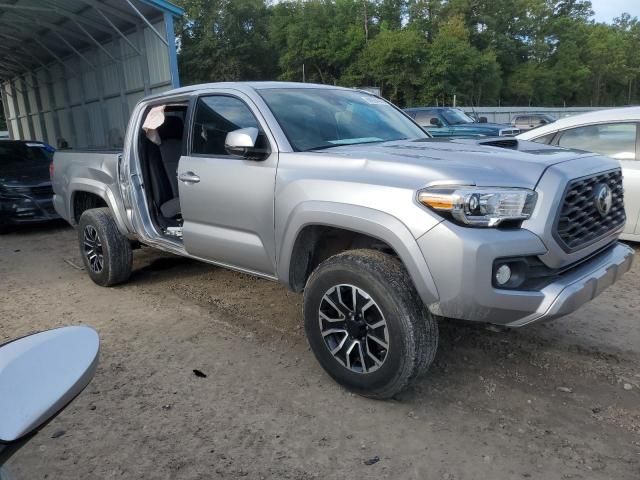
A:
[(161, 144)]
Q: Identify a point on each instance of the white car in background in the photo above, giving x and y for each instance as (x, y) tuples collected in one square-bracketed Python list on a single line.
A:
[(615, 133)]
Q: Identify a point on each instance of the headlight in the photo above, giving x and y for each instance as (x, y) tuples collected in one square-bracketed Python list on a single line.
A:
[(480, 206)]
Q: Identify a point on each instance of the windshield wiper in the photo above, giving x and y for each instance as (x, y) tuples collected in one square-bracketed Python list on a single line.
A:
[(322, 147)]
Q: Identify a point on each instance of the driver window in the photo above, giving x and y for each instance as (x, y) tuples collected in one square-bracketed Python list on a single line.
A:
[(616, 140), (216, 116)]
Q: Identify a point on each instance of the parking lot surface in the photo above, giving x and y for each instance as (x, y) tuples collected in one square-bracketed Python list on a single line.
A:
[(558, 400)]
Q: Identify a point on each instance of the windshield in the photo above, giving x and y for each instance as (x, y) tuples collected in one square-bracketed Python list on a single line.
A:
[(456, 117), (317, 118), (17, 154)]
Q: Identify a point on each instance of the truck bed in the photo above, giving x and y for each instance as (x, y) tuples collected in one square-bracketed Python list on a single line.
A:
[(91, 171)]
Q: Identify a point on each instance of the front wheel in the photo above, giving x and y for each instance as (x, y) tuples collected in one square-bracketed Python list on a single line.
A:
[(106, 253), (366, 324)]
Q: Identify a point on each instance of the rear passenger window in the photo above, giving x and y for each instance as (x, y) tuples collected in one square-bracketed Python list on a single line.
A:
[(616, 140), (216, 116), (424, 119)]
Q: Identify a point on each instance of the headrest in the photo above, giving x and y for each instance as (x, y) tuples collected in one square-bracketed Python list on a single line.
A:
[(172, 127)]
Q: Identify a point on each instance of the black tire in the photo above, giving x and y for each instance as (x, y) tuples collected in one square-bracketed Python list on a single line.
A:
[(114, 248), (411, 331)]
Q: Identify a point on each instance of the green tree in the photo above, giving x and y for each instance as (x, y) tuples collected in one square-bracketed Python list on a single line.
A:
[(424, 16), (534, 52), (394, 61), (503, 26), (629, 28), (225, 40), (390, 13), (324, 36), (455, 67), (530, 84), (607, 62)]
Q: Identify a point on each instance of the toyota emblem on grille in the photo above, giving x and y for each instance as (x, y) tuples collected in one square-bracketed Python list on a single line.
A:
[(603, 199)]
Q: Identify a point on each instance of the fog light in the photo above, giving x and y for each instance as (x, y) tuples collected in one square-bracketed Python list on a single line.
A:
[(503, 274)]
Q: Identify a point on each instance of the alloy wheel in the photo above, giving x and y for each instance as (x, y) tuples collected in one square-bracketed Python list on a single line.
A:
[(93, 249), (354, 328)]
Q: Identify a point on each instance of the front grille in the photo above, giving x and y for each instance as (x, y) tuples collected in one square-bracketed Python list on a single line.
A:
[(509, 132), (36, 191), (46, 191), (579, 221)]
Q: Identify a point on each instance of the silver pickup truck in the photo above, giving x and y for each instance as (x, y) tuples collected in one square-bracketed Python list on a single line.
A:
[(337, 193)]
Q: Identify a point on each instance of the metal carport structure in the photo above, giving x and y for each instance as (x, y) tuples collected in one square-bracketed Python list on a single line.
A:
[(72, 70)]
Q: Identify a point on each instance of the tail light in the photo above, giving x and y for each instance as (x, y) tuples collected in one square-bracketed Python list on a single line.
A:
[(51, 170)]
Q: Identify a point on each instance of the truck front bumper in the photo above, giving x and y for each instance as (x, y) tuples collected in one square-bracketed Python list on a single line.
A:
[(581, 285), (461, 263)]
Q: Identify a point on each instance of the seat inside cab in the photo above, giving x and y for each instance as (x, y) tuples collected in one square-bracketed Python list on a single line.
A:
[(161, 146)]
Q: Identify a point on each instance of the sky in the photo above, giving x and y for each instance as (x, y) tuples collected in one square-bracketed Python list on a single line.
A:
[(607, 10)]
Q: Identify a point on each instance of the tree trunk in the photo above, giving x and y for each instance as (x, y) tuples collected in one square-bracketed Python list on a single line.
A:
[(319, 72), (366, 22)]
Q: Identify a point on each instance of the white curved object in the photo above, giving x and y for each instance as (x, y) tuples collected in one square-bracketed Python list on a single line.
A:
[(40, 374)]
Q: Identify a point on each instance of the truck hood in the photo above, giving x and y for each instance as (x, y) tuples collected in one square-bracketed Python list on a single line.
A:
[(458, 161)]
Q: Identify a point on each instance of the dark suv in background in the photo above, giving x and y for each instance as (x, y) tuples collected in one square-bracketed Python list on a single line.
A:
[(453, 122), (26, 195)]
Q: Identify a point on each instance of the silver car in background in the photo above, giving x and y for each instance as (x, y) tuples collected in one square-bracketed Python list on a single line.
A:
[(615, 133), (529, 121)]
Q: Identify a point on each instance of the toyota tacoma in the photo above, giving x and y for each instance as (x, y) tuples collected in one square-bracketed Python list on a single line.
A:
[(338, 194)]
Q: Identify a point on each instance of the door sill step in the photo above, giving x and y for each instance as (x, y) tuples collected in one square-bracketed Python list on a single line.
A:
[(173, 232)]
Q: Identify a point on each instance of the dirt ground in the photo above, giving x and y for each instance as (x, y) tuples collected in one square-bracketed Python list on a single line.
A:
[(559, 400)]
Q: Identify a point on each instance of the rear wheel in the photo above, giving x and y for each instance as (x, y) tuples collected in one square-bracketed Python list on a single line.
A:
[(366, 324), (106, 253)]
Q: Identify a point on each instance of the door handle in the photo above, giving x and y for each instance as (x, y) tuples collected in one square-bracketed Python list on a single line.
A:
[(188, 177)]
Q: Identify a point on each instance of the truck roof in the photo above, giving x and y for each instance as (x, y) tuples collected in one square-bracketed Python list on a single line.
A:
[(244, 86), (430, 109)]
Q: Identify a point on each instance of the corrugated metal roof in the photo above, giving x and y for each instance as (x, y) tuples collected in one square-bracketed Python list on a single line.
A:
[(36, 32), (166, 6), (71, 70)]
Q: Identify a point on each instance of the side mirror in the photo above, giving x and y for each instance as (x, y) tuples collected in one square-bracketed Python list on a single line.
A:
[(482, 120), (543, 121), (242, 143), (435, 121), (39, 375)]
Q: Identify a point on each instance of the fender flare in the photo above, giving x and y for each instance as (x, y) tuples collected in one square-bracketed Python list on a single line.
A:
[(101, 190), (367, 221)]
